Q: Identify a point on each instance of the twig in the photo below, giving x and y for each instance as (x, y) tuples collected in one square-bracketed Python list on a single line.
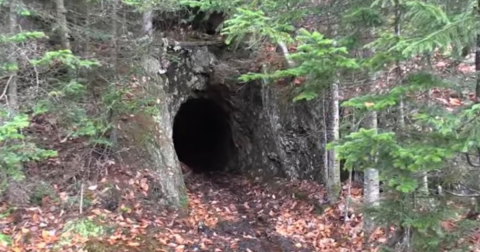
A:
[(6, 87), (286, 54), (81, 198), (463, 195)]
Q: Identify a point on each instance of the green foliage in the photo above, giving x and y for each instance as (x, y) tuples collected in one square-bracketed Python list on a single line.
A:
[(72, 89), (435, 29), (65, 57), (405, 156), (256, 25), (82, 227), (5, 240), (422, 219), (384, 55), (160, 5), (40, 191), (416, 82), (253, 20), (317, 59), (15, 149), (66, 99), (21, 37), (366, 16), (10, 67), (286, 11), (225, 6), (279, 12), (401, 163)]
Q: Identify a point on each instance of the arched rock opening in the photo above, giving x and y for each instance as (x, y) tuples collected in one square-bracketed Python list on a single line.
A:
[(202, 135)]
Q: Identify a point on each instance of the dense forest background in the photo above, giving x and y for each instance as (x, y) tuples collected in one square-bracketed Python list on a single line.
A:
[(89, 90)]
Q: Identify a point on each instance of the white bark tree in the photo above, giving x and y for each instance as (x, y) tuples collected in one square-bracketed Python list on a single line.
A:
[(371, 182), (333, 128), (333, 133)]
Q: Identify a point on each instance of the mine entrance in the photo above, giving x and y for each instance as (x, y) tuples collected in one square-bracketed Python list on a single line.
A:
[(202, 135)]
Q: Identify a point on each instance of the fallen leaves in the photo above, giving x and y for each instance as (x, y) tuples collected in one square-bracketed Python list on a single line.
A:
[(226, 213), (232, 214)]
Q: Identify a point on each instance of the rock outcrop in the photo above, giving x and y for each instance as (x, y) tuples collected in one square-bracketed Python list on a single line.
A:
[(270, 135)]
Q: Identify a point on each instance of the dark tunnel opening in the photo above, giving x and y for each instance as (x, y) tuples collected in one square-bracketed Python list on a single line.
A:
[(202, 135)]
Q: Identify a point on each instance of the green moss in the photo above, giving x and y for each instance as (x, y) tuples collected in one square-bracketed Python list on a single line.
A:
[(184, 202)]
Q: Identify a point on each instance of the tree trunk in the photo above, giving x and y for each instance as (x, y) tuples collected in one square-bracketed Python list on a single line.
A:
[(333, 134), (87, 26), (477, 65), (151, 137), (114, 31), (12, 95), (401, 105), (147, 24), (62, 23), (332, 125), (114, 61), (371, 183)]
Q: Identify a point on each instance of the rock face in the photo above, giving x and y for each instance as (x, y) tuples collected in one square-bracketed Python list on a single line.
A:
[(208, 121), (270, 135), (278, 137)]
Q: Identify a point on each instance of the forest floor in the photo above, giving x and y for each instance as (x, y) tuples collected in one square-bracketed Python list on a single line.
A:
[(120, 212), (225, 213), (66, 211)]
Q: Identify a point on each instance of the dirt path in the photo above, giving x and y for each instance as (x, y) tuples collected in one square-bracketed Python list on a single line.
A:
[(239, 211)]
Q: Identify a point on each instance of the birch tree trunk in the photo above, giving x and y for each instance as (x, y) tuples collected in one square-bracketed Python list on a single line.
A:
[(371, 183), (333, 164), (333, 133)]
